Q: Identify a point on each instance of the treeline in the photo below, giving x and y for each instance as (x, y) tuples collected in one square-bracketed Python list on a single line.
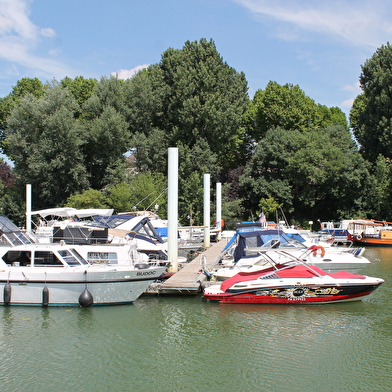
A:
[(87, 143)]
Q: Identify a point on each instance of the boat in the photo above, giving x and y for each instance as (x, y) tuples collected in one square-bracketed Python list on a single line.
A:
[(98, 226), (292, 282), (369, 232), (244, 253), (57, 275)]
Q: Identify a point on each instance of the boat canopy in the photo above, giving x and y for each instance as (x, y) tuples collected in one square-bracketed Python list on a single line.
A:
[(68, 212), (256, 238)]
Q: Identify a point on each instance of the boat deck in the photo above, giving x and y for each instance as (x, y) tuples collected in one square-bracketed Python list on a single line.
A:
[(190, 279)]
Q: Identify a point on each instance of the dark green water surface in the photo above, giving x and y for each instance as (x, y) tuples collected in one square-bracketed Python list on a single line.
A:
[(187, 344)]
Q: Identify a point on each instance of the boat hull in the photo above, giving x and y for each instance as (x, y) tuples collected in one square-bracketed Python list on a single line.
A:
[(367, 241), (295, 294), (62, 288)]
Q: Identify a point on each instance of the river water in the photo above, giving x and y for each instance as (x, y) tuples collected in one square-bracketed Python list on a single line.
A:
[(188, 344)]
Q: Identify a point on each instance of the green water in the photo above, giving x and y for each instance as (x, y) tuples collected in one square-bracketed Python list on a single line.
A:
[(188, 344)]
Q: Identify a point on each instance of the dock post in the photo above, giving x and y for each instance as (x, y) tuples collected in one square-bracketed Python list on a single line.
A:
[(172, 209), (207, 238), (219, 210), (28, 207)]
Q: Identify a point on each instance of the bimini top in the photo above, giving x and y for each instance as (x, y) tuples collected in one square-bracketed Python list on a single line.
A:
[(68, 212)]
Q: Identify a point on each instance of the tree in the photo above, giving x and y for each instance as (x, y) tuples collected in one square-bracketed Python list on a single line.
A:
[(289, 108), (202, 98), (371, 115), (148, 190), (106, 135), (6, 175), (23, 87), (90, 198), (44, 141), (82, 89), (269, 206), (142, 192), (319, 171)]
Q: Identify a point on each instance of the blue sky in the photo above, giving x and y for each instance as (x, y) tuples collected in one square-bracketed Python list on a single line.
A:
[(318, 44)]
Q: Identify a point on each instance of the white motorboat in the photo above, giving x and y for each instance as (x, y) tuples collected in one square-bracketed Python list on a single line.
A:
[(98, 226), (56, 275), (244, 253)]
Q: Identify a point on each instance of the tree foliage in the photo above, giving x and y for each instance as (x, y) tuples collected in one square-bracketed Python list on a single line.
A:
[(318, 171), (371, 115), (202, 97), (288, 107), (23, 87), (90, 198), (44, 141)]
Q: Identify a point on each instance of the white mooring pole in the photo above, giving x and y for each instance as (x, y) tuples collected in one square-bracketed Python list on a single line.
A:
[(28, 207), (219, 210), (172, 209), (207, 238)]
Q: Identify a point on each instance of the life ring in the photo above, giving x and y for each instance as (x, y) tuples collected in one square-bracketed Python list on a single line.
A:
[(359, 237), (322, 253)]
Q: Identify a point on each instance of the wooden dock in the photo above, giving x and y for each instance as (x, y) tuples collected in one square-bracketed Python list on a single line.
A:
[(190, 279)]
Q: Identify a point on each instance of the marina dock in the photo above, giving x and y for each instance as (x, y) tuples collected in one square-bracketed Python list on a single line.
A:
[(190, 279)]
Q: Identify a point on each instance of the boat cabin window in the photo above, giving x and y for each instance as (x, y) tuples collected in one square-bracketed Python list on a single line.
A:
[(18, 258), (102, 257), (71, 257), (45, 258)]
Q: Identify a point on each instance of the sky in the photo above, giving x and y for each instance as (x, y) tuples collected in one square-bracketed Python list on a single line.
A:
[(319, 45)]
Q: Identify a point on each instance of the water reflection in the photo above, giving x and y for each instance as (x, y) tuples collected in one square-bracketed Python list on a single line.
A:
[(189, 344)]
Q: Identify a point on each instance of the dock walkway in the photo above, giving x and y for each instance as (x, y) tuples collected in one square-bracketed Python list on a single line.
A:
[(190, 278)]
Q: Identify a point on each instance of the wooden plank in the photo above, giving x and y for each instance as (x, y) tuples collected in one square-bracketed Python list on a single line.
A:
[(190, 278)]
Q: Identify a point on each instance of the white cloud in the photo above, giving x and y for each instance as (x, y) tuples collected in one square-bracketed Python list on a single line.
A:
[(48, 32), (19, 37), (348, 103), (128, 73), (352, 88), (358, 23)]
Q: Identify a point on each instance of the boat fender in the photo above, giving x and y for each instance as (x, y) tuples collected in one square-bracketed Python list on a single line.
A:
[(7, 294), (201, 286), (86, 299), (322, 251), (45, 296)]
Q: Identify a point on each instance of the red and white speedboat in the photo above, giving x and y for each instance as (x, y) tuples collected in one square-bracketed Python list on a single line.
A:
[(292, 282)]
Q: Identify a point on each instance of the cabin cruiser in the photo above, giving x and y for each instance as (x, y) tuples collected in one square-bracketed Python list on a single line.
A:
[(291, 281), (98, 226), (57, 275)]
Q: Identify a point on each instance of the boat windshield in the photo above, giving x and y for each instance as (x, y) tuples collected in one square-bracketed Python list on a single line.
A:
[(71, 257)]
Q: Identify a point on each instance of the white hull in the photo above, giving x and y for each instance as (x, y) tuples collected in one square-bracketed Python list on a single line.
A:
[(117, 286)]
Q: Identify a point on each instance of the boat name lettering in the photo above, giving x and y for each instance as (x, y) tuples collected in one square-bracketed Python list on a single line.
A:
[(144, 273), (329, 290)]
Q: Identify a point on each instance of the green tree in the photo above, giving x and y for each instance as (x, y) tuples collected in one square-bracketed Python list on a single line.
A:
[(119, 197), (288, 107), (44, 140), (269, 206), (106, 135), (371, 115), (82, 89), (380, 191), (318, 172), (202, 98), (23, 87), (148, 190), (90, 198)]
